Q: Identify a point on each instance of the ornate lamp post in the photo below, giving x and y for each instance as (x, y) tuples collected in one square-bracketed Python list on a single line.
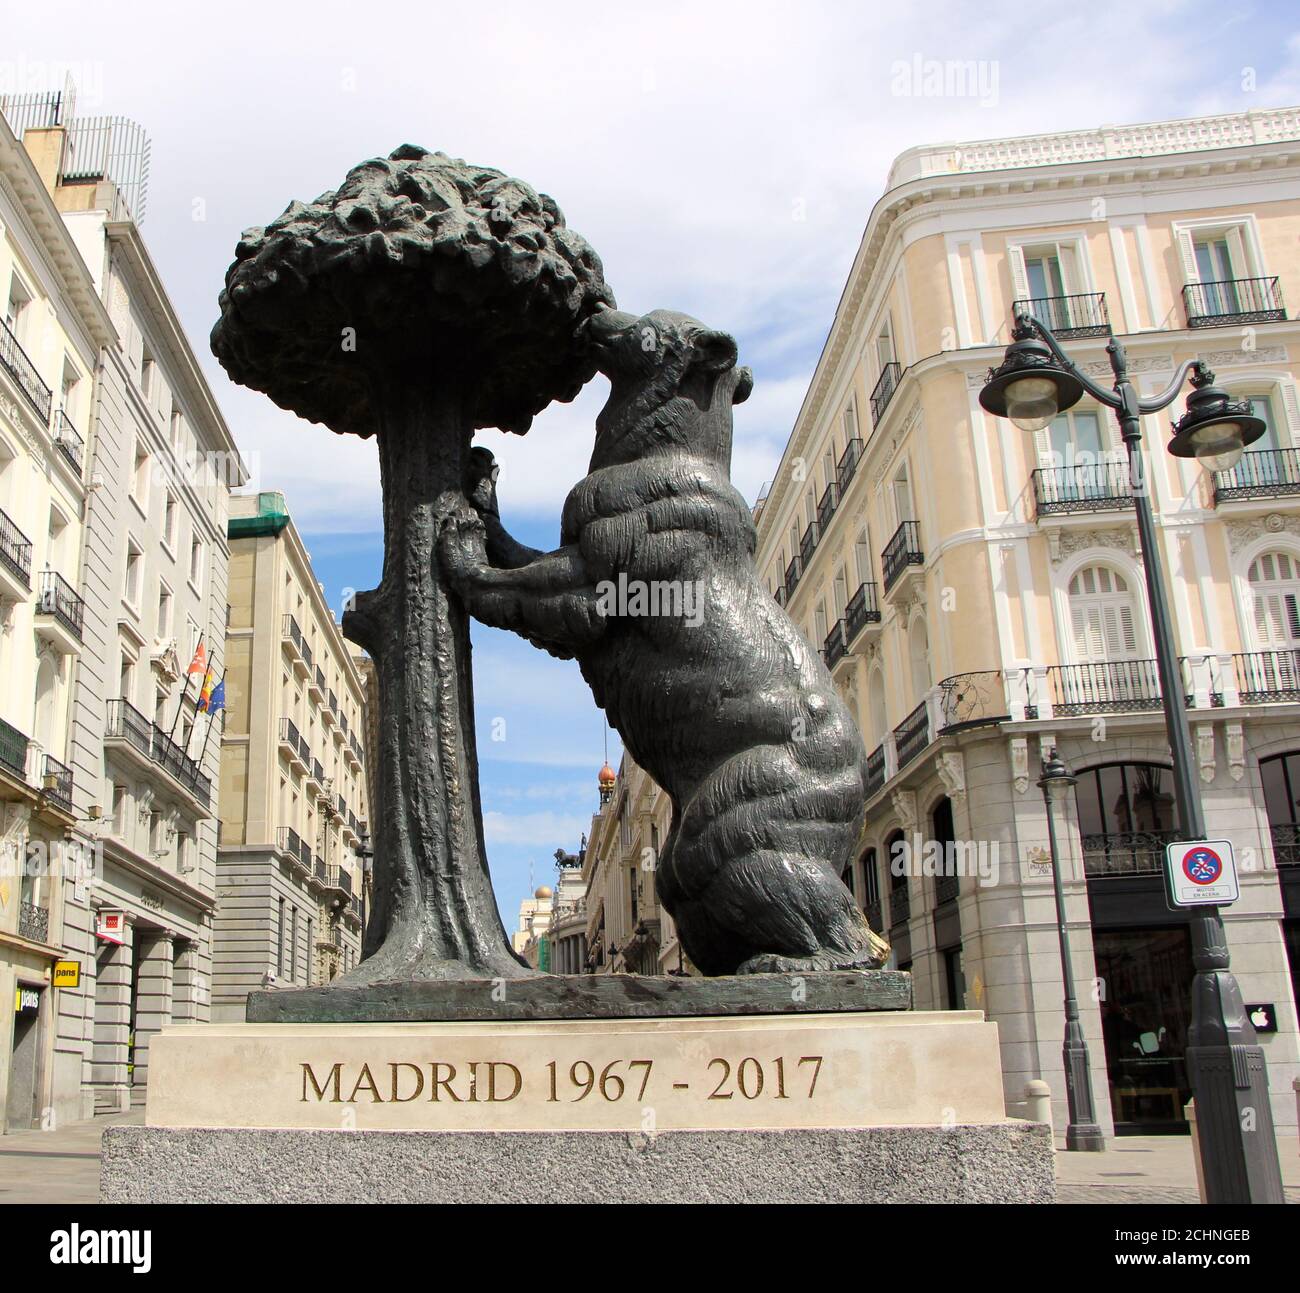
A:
[(1082, 1132), (1225, 1062)]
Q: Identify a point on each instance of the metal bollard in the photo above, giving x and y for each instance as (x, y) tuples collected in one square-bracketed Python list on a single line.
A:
[(1189, 1112)]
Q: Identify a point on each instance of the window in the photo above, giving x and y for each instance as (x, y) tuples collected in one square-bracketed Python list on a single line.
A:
[(148, 375), (68, 390), (871, 888), (119, 811), (293, 944), (140, 477), (177, 428), (902, 493), (196, 562), (1127, 814), (279, 937), (16, 308), (1102, 616), (862, 555), (899, 898), (1275, 595), (849, 419), (918, 647), (885, 345), (1281, 780), (126, 678), (169, 521), (164, 612), (134, 575), (1075, 439)]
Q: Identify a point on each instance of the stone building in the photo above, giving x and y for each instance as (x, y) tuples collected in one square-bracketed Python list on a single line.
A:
[(978, 596), (293, 771), (51, 336), (159, 465)]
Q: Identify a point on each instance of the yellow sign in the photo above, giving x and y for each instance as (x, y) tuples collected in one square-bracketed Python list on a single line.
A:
[(67, 974)]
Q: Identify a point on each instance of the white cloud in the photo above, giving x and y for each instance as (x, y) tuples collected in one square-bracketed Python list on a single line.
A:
[(544, 831)]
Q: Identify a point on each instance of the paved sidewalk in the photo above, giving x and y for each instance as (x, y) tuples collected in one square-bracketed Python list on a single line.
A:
[(55, 1166), (1146, 1169), (63, 1167)]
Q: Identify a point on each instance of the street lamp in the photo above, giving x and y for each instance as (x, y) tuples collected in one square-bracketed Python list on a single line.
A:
[(1225, 1062), (1082, 1131)]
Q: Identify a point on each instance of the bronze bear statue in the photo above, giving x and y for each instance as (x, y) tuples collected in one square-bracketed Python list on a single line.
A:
[(713, 689)]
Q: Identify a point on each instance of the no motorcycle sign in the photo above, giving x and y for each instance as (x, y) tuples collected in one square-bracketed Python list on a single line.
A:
[(1201, 873)]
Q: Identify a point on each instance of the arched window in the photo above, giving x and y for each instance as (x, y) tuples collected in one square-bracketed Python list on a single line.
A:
[(1127, 814), (943, 833), (1102, 616), (900, 906), (1275, 599), (871, 890), (47, 681)]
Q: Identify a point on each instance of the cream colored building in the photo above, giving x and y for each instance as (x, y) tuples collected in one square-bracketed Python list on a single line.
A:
[(53, 330), (978, 595), (293, 771), (530, 937)]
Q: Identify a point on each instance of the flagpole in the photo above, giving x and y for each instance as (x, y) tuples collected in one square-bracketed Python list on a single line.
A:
[(207, 736), (207, 673), (185, 690)]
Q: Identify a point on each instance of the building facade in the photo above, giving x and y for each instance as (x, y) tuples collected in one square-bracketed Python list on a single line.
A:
[(290, 907), (53, 332), (978, 595), (159, 464)]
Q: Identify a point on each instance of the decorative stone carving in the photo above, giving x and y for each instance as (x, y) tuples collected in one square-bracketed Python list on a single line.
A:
[(1096, 369), (164, 660), (1235, 741), (951, 768), (1020, 763), (1063, 543), (1238, 356), (1205, 757), (904, 802), (1242, 533)]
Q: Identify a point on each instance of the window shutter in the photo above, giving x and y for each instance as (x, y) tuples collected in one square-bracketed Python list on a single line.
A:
[(1019, 275), (1292, 617), (1187, 256), (1291, 410), (1241, 266)]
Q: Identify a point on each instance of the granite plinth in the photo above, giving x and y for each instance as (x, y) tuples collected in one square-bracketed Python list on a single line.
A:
[(585, 996)]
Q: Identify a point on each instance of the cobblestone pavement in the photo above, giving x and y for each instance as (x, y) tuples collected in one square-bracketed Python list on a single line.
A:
[(63, 1167)]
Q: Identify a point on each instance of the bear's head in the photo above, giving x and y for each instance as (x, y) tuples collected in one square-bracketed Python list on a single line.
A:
[(672, 383)]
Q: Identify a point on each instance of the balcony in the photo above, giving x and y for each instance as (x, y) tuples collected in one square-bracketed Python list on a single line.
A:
[(912, 735), (354, 747), (56, 783), (826, 506), (876, 774), (1082, 315), (13, 358), (13, 751), (60, 613), (1112, 687), (793, 572), (1286, 844), (33, 921), (835, 647), (295, 645), (883, 391), (779, 596), (329, 710), (971, 700), (316, 688), (1264, 676), (946, 889), (316, 774), (901, 552), (1261, 473), (68, 441), (1125, 853), (863, 609), (1088, 487), (15, 560), (808, 543), (293, 746), (320, 869), (847, 465), (156, 753), (1232, 301), (339, 879), (289, 841)]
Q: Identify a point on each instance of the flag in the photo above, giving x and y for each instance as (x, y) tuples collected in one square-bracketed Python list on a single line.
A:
[(217, 701), (199, 661), (205, 693)]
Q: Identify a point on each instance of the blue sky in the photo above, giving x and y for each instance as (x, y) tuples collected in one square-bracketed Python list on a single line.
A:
[(721, 157)]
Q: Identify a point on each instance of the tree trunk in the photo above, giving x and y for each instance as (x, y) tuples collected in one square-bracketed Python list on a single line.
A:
[(434, 915)]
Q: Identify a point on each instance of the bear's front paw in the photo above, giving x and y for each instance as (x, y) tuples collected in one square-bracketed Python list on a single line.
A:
[(462, 546)]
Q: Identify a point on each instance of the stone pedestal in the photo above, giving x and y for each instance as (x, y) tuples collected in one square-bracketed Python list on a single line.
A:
[(895, 1105)]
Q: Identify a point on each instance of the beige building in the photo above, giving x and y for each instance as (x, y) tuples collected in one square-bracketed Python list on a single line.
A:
[(978, 595), (53, 330), (293, 772)]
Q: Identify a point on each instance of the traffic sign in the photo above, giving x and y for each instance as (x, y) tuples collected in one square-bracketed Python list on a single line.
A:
[(1201, 873)]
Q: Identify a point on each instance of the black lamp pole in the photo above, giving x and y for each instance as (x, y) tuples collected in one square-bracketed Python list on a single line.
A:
[(1082, 1131), (1225, 1062)]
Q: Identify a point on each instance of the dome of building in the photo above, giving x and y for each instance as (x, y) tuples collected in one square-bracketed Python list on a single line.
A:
[(607, 776), (543, 891)]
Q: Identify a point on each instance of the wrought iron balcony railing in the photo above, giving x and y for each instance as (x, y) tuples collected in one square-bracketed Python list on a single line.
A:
[(912, 735), (1081, 315), (15, 551), (780, 595), (58, 599), (875, 771), (974, 700), (56, 782), (808, 543), (68, 441), (33, 922), (834, 648), (848, 464), (1233, 300), (293, 633), (902, 550), (900, 906), (1267, 675), (826, 505), (320, 869), (793, 573), (863, 609), (288, 841), (1087, 487), (1112, 687), (14, 359), (126, 723), (946, 889), (1286, 843), (13, 750), (1121, 853), (883, 391), (1260, 473)]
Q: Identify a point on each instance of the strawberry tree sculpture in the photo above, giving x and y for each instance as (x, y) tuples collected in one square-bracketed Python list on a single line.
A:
[(422, 299)]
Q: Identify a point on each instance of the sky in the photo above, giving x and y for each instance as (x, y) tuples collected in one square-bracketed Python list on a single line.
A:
[(722, 159)]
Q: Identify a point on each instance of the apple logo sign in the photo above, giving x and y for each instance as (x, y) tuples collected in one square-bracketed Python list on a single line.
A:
[(1263, 1017)]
